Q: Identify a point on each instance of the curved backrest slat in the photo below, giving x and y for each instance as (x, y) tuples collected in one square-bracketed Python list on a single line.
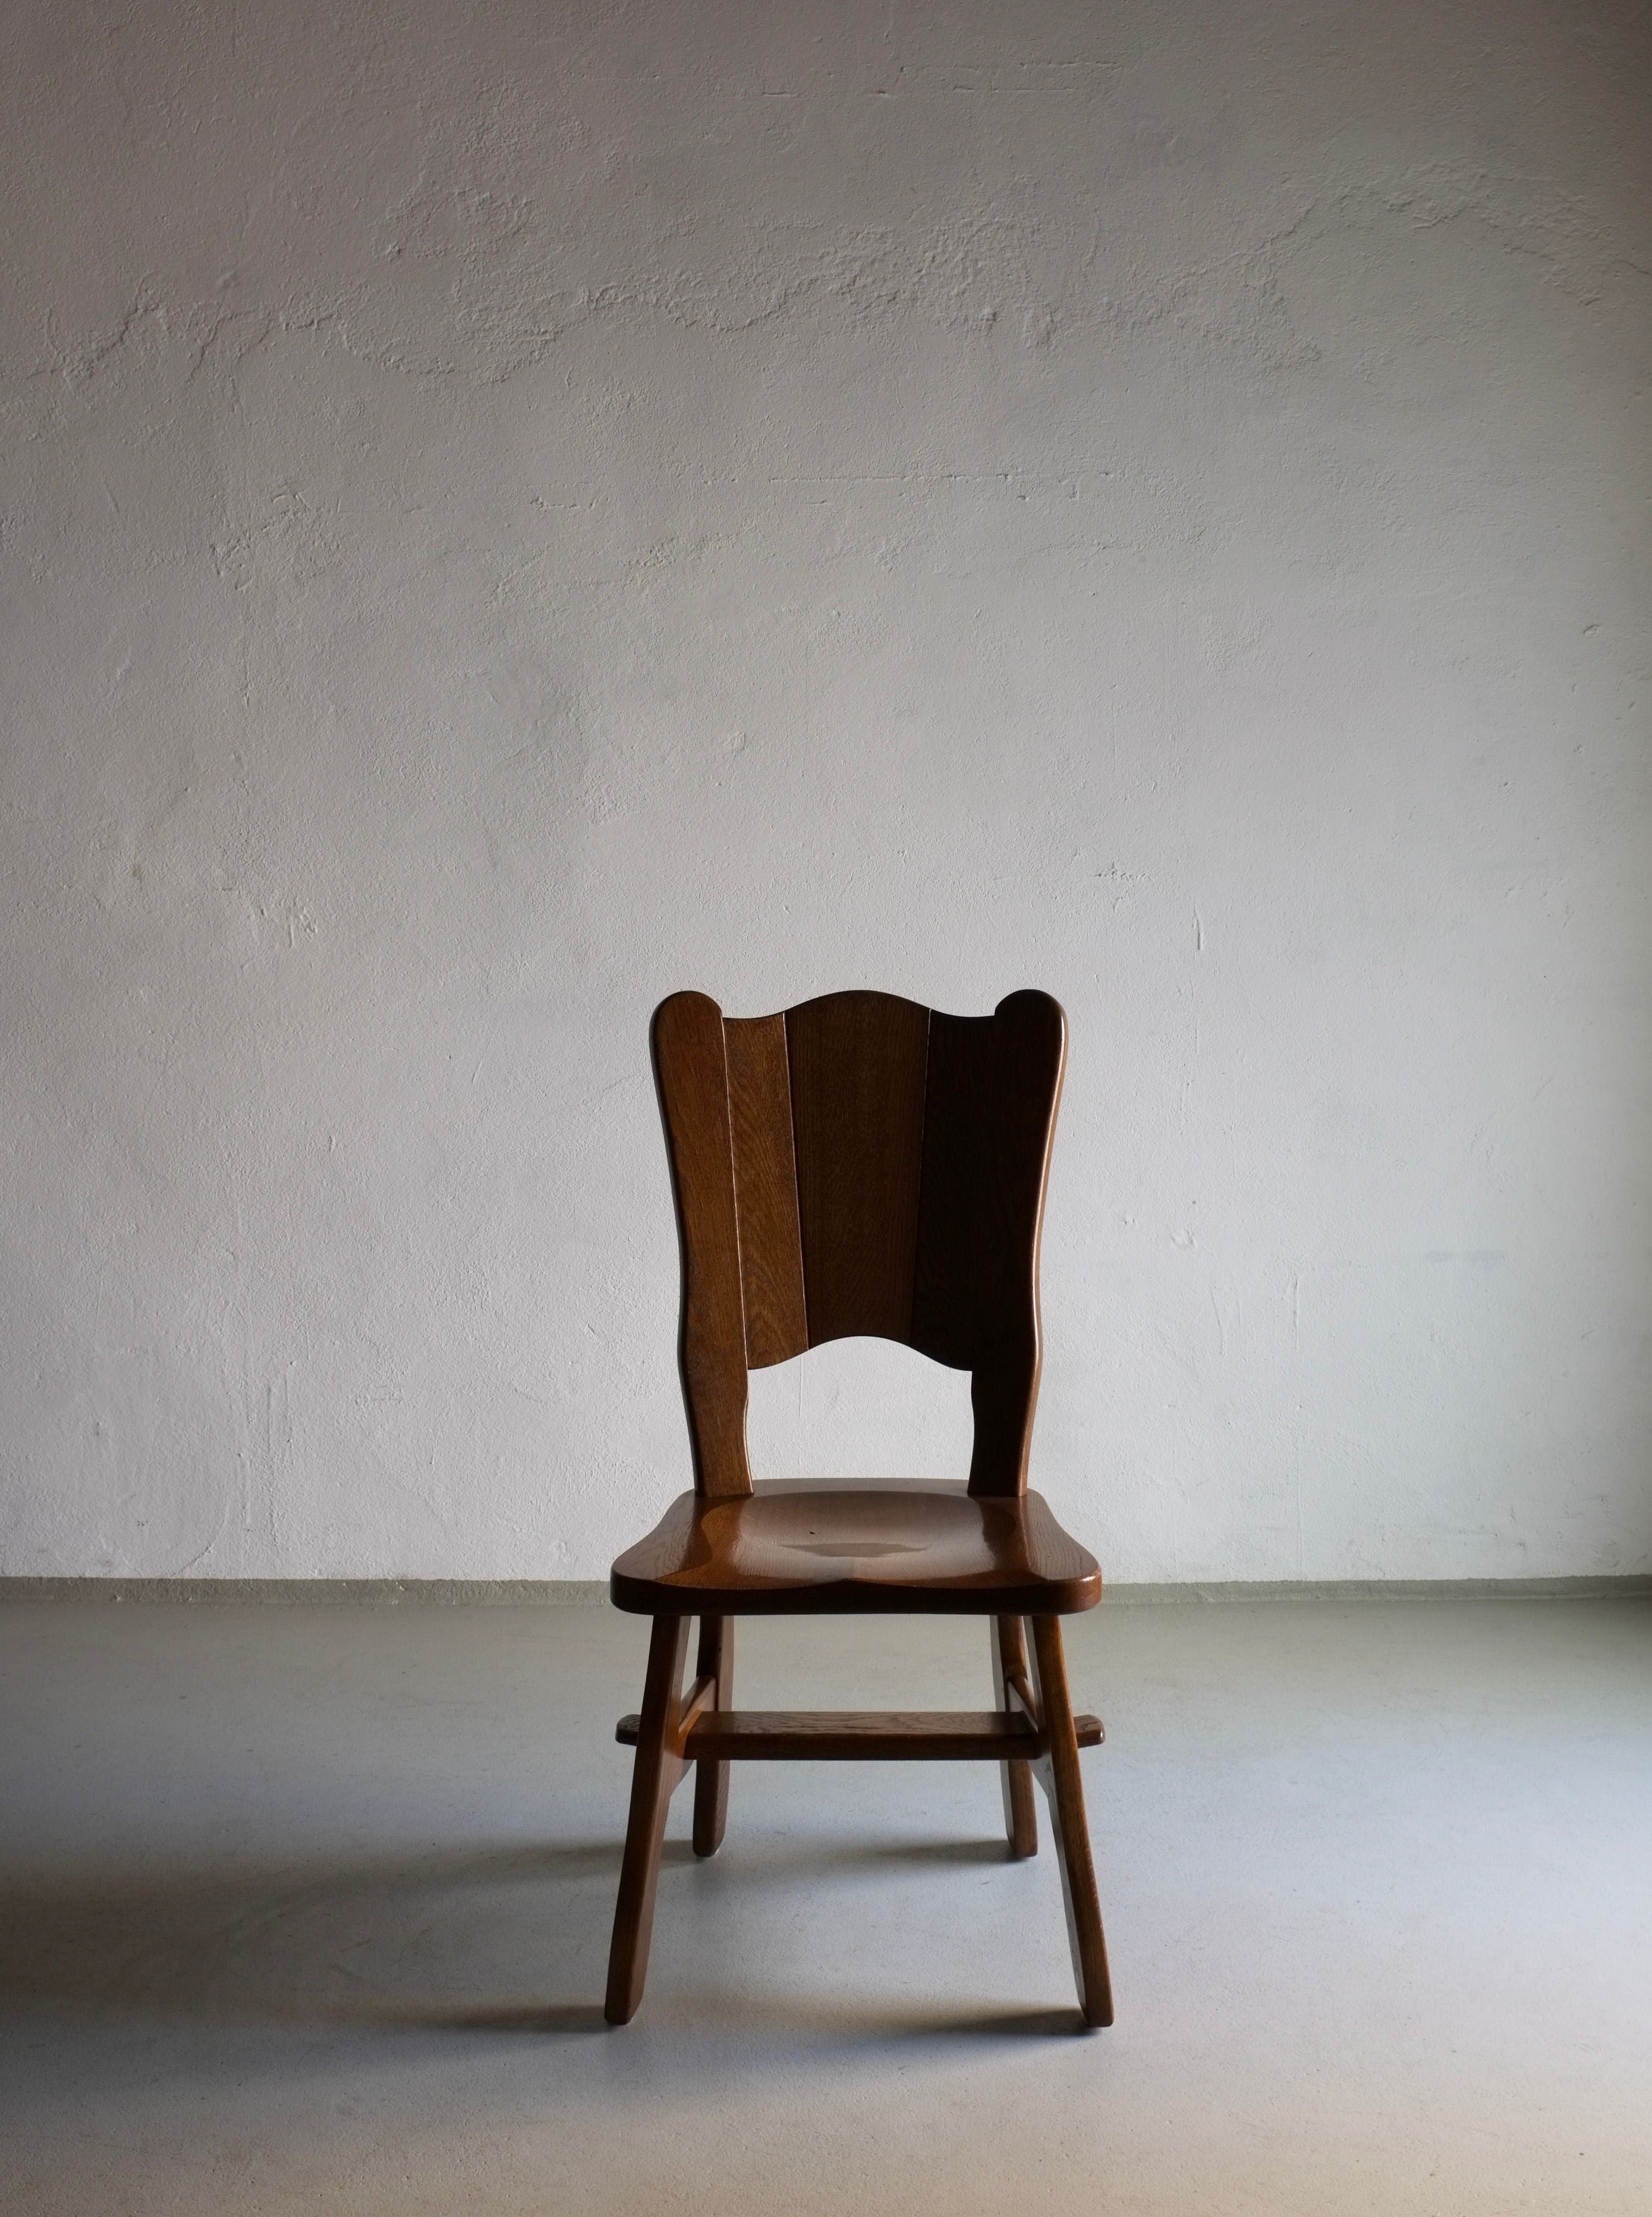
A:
[(765, 1182), (858, 1062), (859, 1165)]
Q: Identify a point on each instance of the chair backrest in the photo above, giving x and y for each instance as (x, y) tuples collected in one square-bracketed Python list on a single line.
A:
[(859, 1165)]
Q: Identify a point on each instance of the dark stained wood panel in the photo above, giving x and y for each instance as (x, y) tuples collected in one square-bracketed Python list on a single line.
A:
[(858, 1062), (691, 1071), (958, 1166), (766, 1189), (1030, 1044)]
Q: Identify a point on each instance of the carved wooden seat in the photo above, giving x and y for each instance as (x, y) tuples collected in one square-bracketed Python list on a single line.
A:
[(858, 1165), (857, 1547)]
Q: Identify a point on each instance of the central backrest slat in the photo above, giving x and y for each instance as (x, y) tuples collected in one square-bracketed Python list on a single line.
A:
[(858, 1065)]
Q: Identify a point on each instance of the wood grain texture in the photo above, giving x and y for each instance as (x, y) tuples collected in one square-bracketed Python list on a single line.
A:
[(858, 1065), (715, 1665), (1009, 1671), (656, 1773), (869, 1546), (691, 1070), (863, 1736), (858, 1166), (766, 1189), (1059, 1773)]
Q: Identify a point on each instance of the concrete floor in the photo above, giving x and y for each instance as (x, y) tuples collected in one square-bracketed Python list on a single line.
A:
[(307, 1908)]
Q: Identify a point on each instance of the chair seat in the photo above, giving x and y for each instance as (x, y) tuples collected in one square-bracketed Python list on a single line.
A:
[(797, 1547)]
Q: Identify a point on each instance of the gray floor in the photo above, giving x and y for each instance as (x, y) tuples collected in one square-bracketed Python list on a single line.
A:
[(307, 1909)]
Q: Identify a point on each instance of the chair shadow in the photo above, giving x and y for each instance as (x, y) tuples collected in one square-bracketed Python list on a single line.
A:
[(501, 1941), (526, 2017), (440, 1941)]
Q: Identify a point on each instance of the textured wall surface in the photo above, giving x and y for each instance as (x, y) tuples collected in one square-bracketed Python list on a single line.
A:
[(508, 510)]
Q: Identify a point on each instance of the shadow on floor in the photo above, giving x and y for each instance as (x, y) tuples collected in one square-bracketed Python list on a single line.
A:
[(408, 1940), (494, 1940)]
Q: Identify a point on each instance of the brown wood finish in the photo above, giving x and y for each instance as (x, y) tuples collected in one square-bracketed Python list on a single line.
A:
[(1058, 1773), (1009, 1671), (794, 1548), (766, 1189), (862, 1735), (715, 1665), (691, 1069), (1029, 1054), (858, 1165), (654, 1778), (958, 1168), (858, 1062)]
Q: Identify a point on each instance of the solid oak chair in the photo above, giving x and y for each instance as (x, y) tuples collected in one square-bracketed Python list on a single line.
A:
[(858, 1165)]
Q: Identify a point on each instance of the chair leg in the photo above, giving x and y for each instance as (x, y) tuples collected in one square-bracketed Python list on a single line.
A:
[(1059, 1768), (1020, 1816), (715, 1661), (656, 1770)]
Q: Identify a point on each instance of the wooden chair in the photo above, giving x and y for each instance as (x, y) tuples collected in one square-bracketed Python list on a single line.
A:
[(858, 1165)]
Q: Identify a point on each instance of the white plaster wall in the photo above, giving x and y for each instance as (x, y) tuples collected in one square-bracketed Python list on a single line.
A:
[(508, 511)]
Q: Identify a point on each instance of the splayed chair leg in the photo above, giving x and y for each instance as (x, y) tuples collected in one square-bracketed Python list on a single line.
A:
[(656, 1771), (1059, 1773)]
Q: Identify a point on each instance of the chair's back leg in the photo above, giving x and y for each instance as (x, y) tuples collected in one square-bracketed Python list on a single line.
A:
[(657, 1770), (1066, 1788), (715, 1661), (1020, 1816)]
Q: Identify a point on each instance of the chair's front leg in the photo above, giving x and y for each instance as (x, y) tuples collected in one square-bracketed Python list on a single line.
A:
[(1060, 1768), (715, 1661), (657, 1770), (1020, 1816)]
